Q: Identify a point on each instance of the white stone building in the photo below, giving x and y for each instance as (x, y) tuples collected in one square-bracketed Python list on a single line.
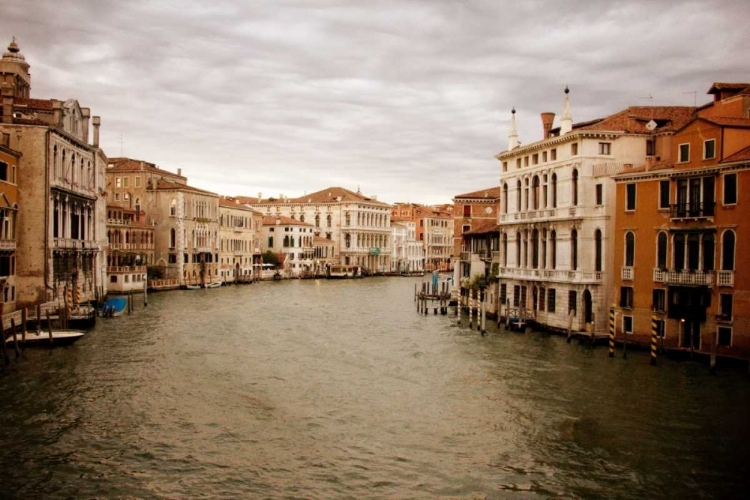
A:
[(240, 230), (292, 239)]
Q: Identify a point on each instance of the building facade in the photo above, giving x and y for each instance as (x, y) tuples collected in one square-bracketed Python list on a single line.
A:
[(293, 240), (61, 235), (680, 233), (10, 163), (240, 230), (557, 212), (473, 211)]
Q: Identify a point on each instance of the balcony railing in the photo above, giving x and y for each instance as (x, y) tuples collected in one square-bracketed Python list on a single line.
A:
[(7, 244), (551, 275), (73, 244), (695, 210), (125, 269), (725, 278), (131, 246), (627, 273), (684, 277)]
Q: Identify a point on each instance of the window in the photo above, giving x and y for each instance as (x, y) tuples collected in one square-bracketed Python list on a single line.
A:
[(137, 181), (553, 249), (126, 196), (683, 155), (118, 182), (553, 154), (542, 298), (574, 149), (551, 300), (172, 258), (172, 238), (661, 328), (627, 324), (525, 161), (173, 208), (270, 242), (535, 159), (597, 250), (505, 166), (467, 211), (574, 250), (605, 148), (626, 297), (518, 163), (113, 278), (117, 196), (725, 305), (126, 182), (725, 336), (661, 250), (727, 251), (575, 187), (465, 227), (518, 195), (709, 149), (629, 249), (3, 171), (503, 293), (544, 157), (730, 189), (505, 198), (572, 301), (664, 194), (630, 197), (553, 194), (516, 295), (650, 150), (659, 300), (599, 194)]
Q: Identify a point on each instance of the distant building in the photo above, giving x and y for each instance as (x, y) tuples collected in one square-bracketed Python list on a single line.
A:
[(359, 225), (240, 231), (433, 228), (680, 231), (10, 163), (292, 239), (473, 211)]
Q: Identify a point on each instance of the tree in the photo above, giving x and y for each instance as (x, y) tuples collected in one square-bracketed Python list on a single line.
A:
[(269, 257)]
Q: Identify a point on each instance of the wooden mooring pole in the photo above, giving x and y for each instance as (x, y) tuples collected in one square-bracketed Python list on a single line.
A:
[(2, 337), (712, 369), (570, 325), (653, 340), (15, 337)]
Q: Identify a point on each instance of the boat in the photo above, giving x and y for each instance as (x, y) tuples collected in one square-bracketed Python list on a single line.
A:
[(215, 284), (113, 307), (343, 271), (192, 287), (42, 338)]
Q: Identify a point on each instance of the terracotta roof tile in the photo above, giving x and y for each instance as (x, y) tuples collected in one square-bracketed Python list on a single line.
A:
[(45, 104), (741, 155), (493, 192), (270, 220), (727, 121), (331, 194), (131, 165), (319, 240), (635, 118), (234, 203), (168, 185), (719, 86)]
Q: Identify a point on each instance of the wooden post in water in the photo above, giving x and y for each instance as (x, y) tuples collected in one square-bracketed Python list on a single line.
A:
[(653, 340), (15, 338), (611, 333), (38, 317), (570, 325), (2, 335), (145, 292), (24, 317), (484, 313), (471, 308), (593, 330), (712, 369), (49, 328)]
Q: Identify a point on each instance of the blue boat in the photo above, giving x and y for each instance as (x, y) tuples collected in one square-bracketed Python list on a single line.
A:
[(113, 307)]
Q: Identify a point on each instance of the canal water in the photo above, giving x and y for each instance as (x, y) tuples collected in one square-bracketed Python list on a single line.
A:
[(339, 389)]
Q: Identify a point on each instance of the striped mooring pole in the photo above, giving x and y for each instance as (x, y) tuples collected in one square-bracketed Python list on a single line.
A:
[(653, 340), (611, 333)]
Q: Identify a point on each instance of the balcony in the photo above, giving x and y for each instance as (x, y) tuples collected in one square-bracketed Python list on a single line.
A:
[(125, 269), (71, 244), (627, 273), (698, 210), (685, 277), (725, 278), (7, 244), (132, 246)]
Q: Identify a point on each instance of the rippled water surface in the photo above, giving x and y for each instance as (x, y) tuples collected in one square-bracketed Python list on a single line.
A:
[(339, 389)]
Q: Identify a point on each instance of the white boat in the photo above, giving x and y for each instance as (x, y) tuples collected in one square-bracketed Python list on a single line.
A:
[(343, 271), (193, 287), (42, 339), (215, 284)]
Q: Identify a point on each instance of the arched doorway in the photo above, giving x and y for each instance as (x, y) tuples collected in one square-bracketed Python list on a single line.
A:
[(588, 313)]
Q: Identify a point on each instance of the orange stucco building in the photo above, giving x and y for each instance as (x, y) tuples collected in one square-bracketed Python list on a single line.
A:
[(472, 211), (680, 233)]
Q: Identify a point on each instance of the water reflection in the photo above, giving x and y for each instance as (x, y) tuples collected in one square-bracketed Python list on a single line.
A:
[(339, 389)]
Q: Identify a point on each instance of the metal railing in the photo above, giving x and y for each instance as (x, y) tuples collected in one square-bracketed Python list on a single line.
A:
[(693, 210)]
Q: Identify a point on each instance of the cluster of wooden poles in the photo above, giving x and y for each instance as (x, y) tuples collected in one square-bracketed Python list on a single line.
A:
[(436, 297), (476, 303), (15, 334)]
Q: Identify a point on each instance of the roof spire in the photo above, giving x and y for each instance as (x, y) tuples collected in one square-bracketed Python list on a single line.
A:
[(566, 123), (513, 135)]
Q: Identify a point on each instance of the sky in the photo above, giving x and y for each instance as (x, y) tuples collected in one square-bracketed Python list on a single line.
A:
[(406, 100)]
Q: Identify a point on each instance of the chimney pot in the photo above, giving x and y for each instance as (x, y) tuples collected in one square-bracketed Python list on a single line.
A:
[(96, 121), (179, 172), (547, 120)]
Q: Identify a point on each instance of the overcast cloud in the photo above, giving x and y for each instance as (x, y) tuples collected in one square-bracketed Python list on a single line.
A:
[(408, 100)]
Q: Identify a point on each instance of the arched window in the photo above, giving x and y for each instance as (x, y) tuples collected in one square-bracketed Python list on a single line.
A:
[(597, 250), (574, 250), (505, 198), (553, 190), (574, 194), (661, 250), (328, 220), (629, 249), (553, 249), (286, 241), (348, 240), (709, 247), (535, 192), (679, 252), (518, 195), (535, 248), (317, 220), (518, 249), (302, 218), (727, 251), (172, 238), (505, 249), (526, 192), (348, 219)]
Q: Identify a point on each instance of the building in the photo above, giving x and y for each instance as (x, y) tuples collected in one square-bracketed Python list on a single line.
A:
[(557, 212), (472, 211), (61, 236), (680, 230), (186, 232), (359, 225), (433, 229), (10, 163), (240, 230), (293, 241)]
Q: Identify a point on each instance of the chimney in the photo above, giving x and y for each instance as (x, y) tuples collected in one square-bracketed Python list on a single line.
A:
[(57, 112), (649, 162), (547, 119), (260, 196), (86, 113), (513, 135), (179, 172), (96, 121)]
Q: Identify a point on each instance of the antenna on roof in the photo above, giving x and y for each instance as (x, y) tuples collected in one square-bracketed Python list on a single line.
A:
[(650, 99), (695, 96)]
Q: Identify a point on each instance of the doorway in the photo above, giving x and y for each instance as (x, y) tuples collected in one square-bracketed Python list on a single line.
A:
[(691, 334)]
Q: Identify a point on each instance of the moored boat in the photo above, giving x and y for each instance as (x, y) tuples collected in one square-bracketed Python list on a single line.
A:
[(113, 307), (42, 338)]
